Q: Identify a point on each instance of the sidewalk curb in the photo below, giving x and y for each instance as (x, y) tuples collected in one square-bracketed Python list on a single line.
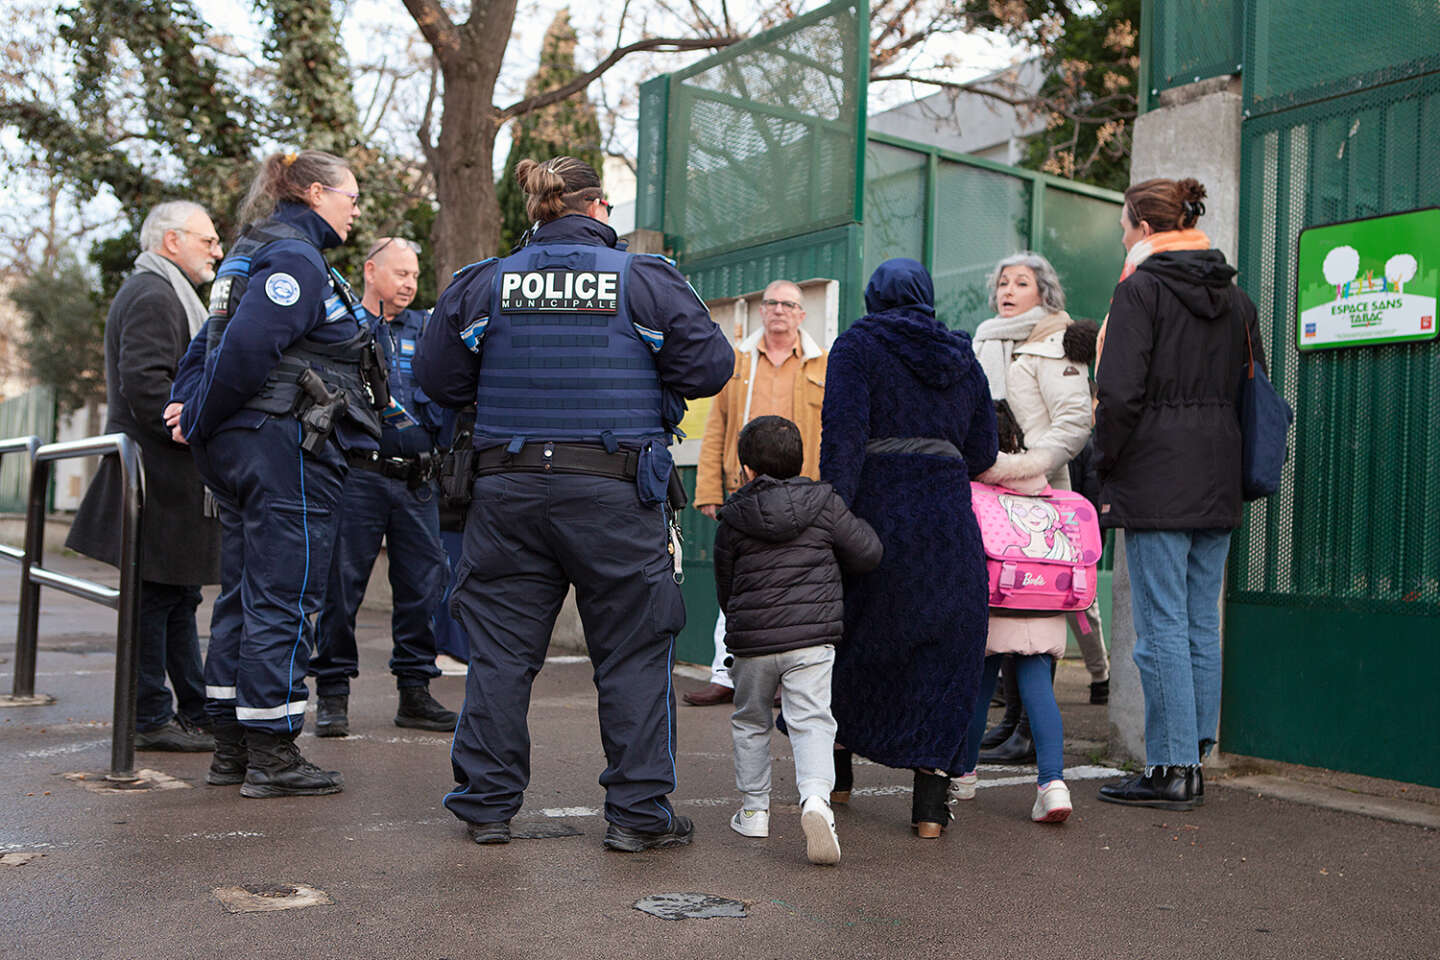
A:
[(1331, 798)]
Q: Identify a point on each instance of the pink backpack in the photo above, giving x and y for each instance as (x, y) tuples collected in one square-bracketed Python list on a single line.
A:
[(1041, 552)]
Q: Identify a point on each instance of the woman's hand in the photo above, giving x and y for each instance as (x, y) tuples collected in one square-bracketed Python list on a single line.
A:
[(172, 420)]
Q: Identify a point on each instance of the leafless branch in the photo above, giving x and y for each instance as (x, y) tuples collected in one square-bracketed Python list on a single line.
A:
[(437, 27), (976, 87)]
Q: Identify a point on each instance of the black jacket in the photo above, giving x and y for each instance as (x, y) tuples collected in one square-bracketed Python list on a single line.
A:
[(1166, 429), (776, 568), (146, 333)]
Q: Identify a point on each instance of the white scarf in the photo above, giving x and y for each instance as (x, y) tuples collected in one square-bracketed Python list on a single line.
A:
[(995, 341), (195, 312)]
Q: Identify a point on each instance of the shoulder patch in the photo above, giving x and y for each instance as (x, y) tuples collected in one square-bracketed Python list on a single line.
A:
[(471, 266), (282, 289)]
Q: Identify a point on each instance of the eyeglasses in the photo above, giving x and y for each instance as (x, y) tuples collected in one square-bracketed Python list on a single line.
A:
[(410, 244), (209, 239), (604, 203), (354, 197), (780, 304)]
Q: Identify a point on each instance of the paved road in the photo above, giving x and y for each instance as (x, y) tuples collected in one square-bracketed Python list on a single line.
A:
[(134, 875)]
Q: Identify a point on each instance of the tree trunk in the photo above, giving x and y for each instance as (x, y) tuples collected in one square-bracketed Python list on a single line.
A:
[(467, 222)]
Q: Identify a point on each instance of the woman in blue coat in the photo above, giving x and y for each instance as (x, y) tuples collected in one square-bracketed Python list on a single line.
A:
[(907, 422)]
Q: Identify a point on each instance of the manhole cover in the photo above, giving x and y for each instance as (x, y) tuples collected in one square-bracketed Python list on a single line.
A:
[(690, 906), (264, 897), (542, 830)]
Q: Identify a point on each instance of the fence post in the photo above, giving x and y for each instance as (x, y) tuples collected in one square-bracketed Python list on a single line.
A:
[(28, 628), (127, 634)]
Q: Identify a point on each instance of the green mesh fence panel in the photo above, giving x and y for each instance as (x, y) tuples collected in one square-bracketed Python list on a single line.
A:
[(762, 137), (1357, 521), (1299, 51), (1082, 241), (1191, 40), (980, 216), (825, 254), (32, 413), (650, 166), (895, 207)]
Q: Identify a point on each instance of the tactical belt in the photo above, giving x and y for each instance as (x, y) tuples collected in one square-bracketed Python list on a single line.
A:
[(558, 458), (396, 468)]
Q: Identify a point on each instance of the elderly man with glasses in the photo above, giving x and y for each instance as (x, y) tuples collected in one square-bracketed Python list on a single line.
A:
[(780, 371), (389, 494), (150, 323)]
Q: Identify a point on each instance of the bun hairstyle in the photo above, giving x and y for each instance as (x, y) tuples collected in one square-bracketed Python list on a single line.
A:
[(556, 187), (287, 177), (1166, 204)]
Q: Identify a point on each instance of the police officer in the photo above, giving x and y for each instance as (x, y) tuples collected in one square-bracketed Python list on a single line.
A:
[(389, 494), (272, 393), (576, 355)]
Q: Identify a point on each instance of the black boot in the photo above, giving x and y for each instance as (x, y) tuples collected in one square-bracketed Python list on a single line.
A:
[(1100, 691), (1001, 732), (421, 711), (1197, 785), (1019, 747), (844, 776), (929, 813), (331, 716), (227, 767), (1168, 788), (278, 770)]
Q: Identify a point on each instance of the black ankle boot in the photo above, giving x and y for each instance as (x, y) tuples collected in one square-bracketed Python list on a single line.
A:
[(998, 734), (1169, 788), (331, 716), (421, 711), (844, 776), (1100, 692), (1016, 748), (227, 767), (1197, 785), (929, 813), (277, 769)]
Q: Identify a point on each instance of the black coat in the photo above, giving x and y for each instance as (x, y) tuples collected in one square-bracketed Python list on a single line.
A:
[(776, 568), (146, 333), (1166, 429)]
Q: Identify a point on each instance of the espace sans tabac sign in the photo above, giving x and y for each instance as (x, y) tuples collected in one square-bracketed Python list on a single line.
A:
[(1369, 281)]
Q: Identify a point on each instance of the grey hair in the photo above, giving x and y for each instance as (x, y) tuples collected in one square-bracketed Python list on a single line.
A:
[(1052, 295), (164, 217)]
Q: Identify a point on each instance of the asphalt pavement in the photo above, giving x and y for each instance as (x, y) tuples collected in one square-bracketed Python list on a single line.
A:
[(387, 872)]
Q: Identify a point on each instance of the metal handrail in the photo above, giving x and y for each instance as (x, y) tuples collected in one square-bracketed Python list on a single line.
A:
[(15, 445), (125, 600)]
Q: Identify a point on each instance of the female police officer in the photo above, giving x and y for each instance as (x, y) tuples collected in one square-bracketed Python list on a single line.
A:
[(576, 355), (270, 395)]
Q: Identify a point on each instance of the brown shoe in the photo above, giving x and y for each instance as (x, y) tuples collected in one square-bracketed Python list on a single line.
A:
[(709, 695)]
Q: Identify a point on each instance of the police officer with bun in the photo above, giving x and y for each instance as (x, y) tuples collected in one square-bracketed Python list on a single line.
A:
[(281, 382), (578, 357)]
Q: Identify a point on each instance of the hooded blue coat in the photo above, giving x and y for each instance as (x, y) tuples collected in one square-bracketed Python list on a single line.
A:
[(908, 672)]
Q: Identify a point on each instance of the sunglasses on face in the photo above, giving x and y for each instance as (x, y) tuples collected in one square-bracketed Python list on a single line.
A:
[(410, 244)]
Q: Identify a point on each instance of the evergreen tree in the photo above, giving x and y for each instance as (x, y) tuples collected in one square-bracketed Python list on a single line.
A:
[(65, 332), (568, 128)]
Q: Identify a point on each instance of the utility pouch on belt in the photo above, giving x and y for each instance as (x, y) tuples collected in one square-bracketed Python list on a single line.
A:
[(318, 409), (457, 475), (653, 471)]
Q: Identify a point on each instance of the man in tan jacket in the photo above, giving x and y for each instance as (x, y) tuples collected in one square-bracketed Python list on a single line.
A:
[(779, 371)]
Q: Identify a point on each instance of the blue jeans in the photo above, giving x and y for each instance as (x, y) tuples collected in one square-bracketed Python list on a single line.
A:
[(169, 644), (1175, 597), (1037, 692)]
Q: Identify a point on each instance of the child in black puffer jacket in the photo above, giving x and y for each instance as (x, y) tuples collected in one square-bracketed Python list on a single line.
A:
[(778, 554)]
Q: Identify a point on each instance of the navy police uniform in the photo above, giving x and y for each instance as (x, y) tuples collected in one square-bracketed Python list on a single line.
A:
[(276, 309), (389, 495), (576, 355)]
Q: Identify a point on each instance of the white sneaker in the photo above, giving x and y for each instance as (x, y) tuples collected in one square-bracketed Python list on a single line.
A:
[(822, 844), (1052, 803), (751, 823), (963, 787)]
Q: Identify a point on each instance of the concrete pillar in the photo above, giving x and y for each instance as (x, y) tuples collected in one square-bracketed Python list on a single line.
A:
[(1194, 132)]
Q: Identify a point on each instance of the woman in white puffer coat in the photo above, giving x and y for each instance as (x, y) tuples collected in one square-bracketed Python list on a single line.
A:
[(1045, 393)]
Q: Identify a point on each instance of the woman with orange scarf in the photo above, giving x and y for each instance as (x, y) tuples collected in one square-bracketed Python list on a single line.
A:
[(1168, 439)]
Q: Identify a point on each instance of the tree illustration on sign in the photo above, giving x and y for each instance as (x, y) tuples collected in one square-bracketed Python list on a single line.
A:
[(1341, 265), (1399, 270)]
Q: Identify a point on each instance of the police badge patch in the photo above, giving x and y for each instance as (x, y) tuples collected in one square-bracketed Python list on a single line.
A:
[(282, 289), (560, 291)]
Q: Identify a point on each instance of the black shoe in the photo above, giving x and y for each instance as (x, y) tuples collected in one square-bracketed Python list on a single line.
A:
[(497, 832), (1100, 691), (633, 841), (277, 769), (332, 716), (231, 759), (1197, 785), (997, 734), (1018, 748), (781, 725), (929, 813), (177, 736), (421, 711), (844, 776), (1168, 788)]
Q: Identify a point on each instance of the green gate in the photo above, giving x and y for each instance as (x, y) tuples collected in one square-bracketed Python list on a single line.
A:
[(1333, 604)]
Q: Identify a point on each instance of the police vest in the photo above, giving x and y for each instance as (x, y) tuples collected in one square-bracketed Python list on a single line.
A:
[(340, 364), (562, 358)]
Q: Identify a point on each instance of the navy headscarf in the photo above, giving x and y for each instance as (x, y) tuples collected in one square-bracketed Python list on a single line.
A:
[(901, 284)]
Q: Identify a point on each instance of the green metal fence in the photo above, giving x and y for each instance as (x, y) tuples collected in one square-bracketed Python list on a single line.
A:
[(1177, 53), (30, 414)]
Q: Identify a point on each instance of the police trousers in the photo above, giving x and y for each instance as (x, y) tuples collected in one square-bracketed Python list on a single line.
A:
[(375, 507), (528, 536), (277, 527)]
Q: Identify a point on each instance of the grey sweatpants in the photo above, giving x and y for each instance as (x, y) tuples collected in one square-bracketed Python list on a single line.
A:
[(803, 678)]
